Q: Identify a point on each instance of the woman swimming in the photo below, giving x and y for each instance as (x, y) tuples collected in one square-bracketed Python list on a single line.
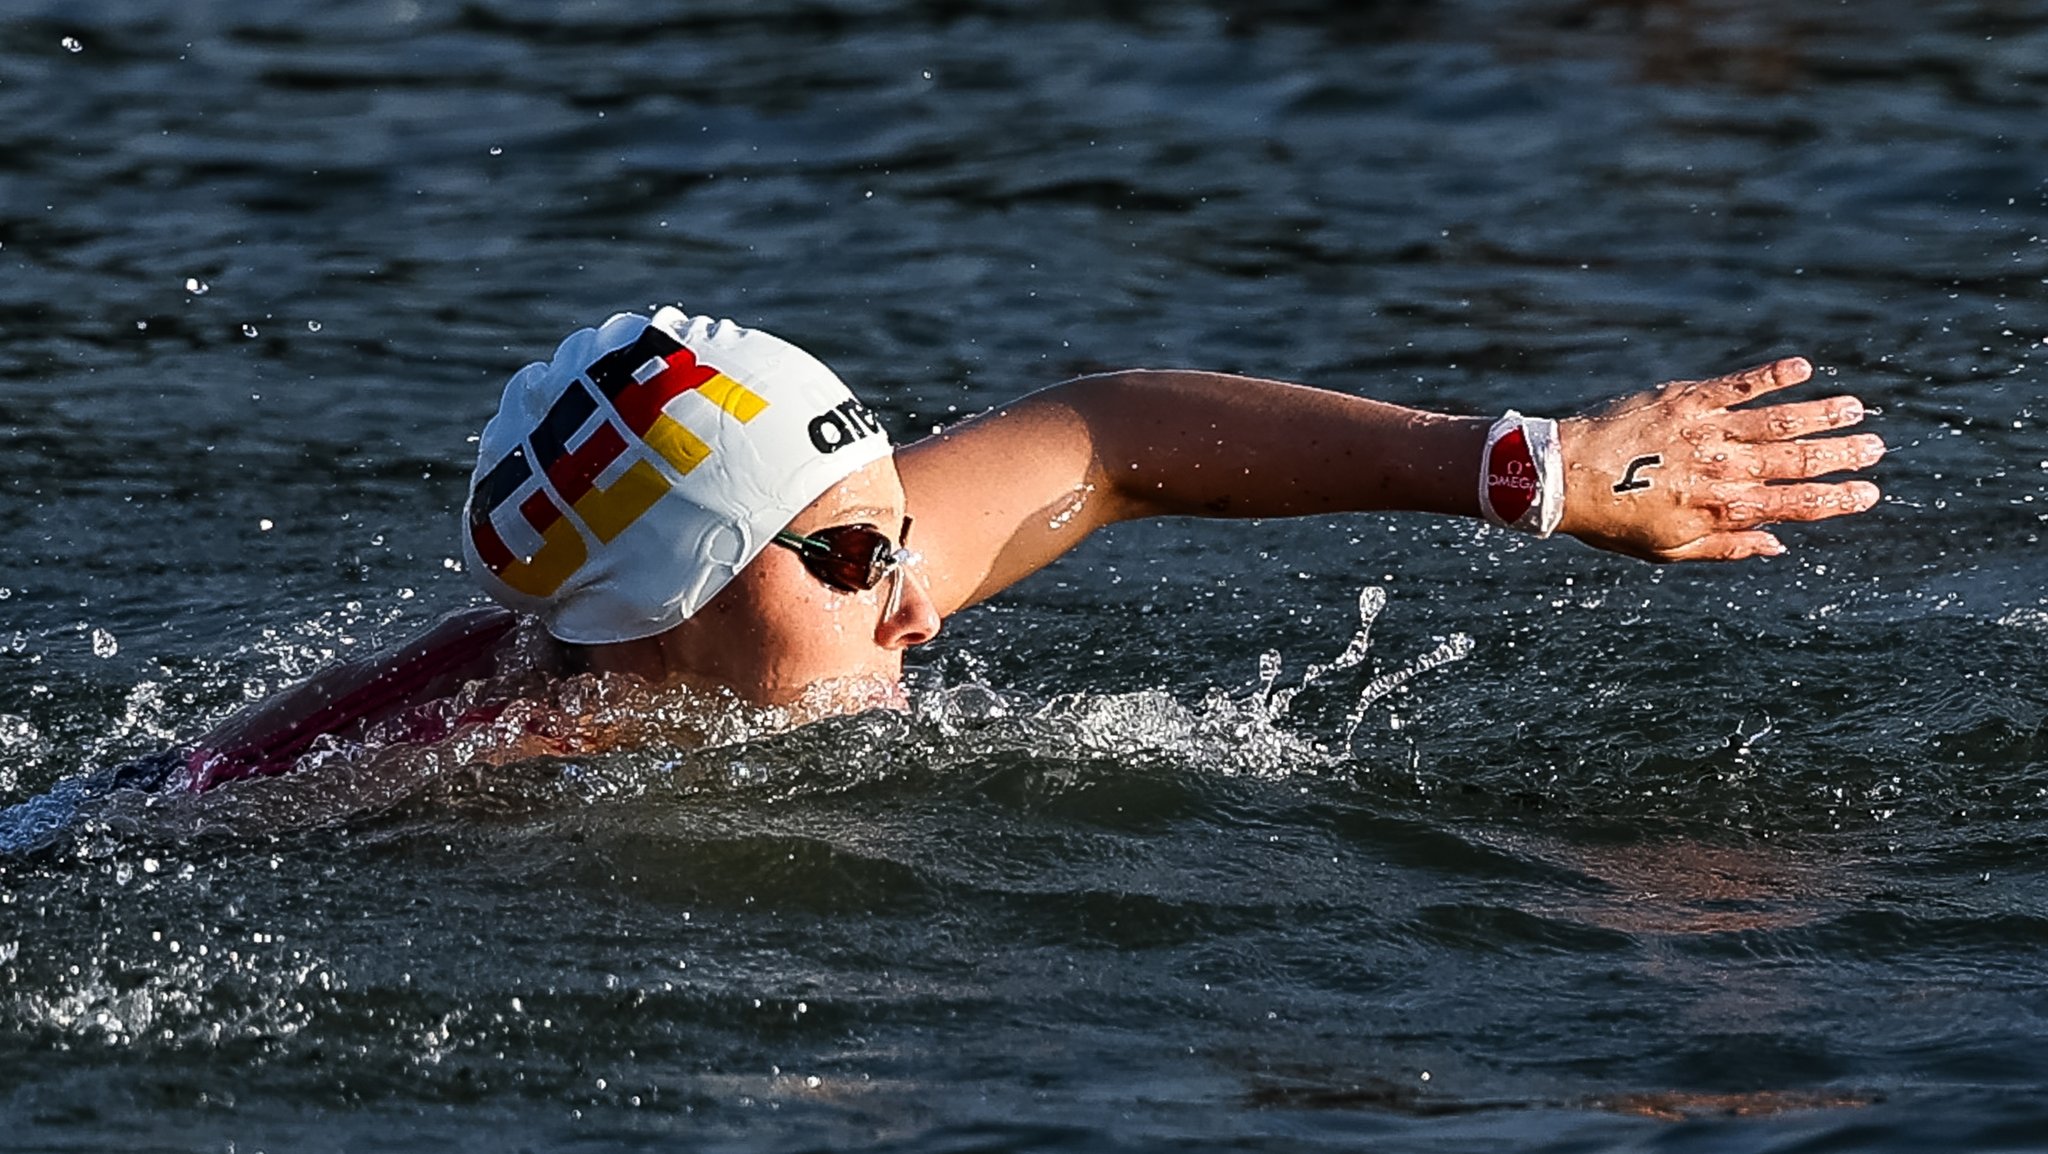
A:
[(701, 505)]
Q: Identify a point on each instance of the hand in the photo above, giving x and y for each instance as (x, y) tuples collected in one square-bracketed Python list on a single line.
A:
[(1678, 474)]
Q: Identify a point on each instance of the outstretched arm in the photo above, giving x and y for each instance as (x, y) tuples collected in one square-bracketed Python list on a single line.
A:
[(1001, 495)]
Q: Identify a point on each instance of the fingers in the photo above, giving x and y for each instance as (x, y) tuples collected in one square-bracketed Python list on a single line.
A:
[(1749, 384), (1755, 505), (1787, 422), (1727, 547), (1768, 504), (1796, 460)]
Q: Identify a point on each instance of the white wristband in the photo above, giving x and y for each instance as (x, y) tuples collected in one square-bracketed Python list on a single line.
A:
[(1521, 475)]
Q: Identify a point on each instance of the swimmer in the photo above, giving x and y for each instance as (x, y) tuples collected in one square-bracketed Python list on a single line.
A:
[(700, 505)]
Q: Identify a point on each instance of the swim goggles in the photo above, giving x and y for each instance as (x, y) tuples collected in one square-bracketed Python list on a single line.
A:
[(853, 558)]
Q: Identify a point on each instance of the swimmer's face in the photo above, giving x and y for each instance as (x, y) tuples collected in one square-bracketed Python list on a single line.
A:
[(777, 635)]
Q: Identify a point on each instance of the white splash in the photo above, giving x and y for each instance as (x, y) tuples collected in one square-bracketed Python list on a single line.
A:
[(1246, 735), (2025, 618), (1371, 601)]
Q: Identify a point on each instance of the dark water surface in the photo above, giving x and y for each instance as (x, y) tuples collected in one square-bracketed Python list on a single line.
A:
[(1695, 859)]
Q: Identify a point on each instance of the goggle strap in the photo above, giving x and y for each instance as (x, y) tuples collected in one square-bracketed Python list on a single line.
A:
[(798, 539)]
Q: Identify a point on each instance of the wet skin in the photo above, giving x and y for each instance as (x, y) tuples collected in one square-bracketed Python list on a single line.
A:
[(776, 635)]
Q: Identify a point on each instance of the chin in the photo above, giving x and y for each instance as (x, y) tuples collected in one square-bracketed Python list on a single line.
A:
[(831, 697)]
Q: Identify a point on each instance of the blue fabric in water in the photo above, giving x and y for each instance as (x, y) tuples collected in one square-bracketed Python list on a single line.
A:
[(40, 822)]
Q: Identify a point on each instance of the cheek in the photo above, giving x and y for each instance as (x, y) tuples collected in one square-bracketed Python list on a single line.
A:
[(829, 620), (791, 616)]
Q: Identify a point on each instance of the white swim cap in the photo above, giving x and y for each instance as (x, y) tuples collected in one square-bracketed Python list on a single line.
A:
[(623, 483)]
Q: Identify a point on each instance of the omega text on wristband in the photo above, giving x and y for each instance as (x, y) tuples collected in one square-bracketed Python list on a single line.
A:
[(1521, 475)]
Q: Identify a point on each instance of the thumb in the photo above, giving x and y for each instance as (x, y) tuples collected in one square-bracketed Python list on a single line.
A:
[(1728, 547)]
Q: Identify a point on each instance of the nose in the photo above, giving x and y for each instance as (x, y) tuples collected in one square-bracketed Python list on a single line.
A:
[(915, 619)]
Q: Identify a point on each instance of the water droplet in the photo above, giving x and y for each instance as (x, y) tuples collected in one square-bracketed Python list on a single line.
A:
[(312, 326), (103, 644), (248, 330), (196, 287), (71, 44)]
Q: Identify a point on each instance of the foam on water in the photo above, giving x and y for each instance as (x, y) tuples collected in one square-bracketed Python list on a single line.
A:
[(587, 739)]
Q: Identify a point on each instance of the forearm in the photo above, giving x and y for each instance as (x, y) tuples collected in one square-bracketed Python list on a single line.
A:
[(1178, 443)]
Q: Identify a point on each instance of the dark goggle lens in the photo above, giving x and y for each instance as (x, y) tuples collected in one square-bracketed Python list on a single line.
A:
[(855, 557)]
